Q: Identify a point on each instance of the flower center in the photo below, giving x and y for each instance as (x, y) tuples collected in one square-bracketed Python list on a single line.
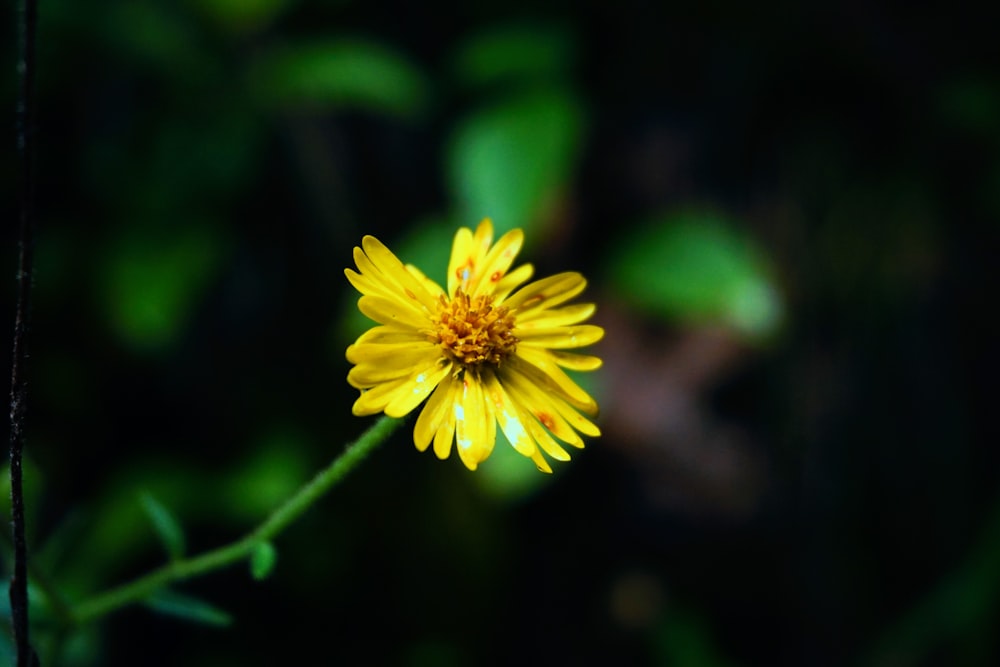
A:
[(472, 332)]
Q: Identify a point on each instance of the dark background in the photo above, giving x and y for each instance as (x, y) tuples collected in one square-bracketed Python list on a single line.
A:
[(809, 481)]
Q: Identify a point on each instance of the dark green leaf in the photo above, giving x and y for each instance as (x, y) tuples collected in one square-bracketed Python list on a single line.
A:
[(187, 608), (683, 639), (263, 560), (168, 529), (342, 73), (695, 267), (507, 475), (242, 16), (151, 284), (512, 162), (514, 53), (267, 477)]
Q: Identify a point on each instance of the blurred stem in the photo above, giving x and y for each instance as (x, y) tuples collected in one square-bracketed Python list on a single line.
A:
[(58, 604), (27, 14), (323, 482)]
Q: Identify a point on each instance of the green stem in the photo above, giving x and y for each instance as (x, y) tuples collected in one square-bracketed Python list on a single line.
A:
[(326, 479)]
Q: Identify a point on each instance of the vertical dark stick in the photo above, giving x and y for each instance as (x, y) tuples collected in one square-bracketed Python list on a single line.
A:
[(26, 23)]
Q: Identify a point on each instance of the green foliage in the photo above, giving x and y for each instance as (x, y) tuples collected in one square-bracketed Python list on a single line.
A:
[(262, 560), (270, 473), (694, 267), (960, 608), (508, 476), (973, 104), (152, 286), (513, 161), (167, 528), (242, 16), (515, 54), (338, 74), (683, 639), (428, 246), (188, 608), (154, 37), (175, 136), (33, 485)]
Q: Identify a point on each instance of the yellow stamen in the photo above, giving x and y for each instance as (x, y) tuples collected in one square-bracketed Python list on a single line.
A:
[(472, 332)]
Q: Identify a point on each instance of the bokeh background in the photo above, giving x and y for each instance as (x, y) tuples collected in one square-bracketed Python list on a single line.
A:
[(788, 215)]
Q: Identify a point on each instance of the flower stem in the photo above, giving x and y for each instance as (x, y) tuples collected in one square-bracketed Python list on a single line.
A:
[(326, 479)]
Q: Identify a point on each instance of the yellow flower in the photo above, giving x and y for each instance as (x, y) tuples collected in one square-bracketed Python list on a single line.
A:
[(483, 353)]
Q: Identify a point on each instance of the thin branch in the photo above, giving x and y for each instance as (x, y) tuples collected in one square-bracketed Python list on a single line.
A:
[(26, 27), (141, 588)]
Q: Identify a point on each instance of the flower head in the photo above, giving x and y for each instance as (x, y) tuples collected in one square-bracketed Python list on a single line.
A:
[(483, 353)]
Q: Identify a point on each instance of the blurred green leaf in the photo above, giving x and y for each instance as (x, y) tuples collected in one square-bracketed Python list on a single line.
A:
[(509, 476), (515, 53), (272, 473), (167, 528), (6, 647), (964, 604), (683, 639), (972, 104), (199, 156), (433, 653), (147, 35), (695, 267), (242, 16), (341, 74), (151, 286), (262, 560), (427, 246), (511, 162), (33, 487), (115, 529), (188, 608)]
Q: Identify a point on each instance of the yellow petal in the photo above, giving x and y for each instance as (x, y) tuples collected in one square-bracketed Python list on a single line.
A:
[(393, 270), (366, 284), (374, 400), (576, 362), (540, 369), (396, 355), (365, 265), (434, 414), (395, 397), (468, 255), (491, 423), (547, 292), (575, 419), (511, 281), (388, 334), (533, 400), (541, 463), (429, 284), (546, 442), (420, 386), (558, 317), (507, 415), (462, 260), (471, 428), (366, 377), (483, 237), (494, 265), (376, 282), (393, 311), (445, 433), (561, 338)]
